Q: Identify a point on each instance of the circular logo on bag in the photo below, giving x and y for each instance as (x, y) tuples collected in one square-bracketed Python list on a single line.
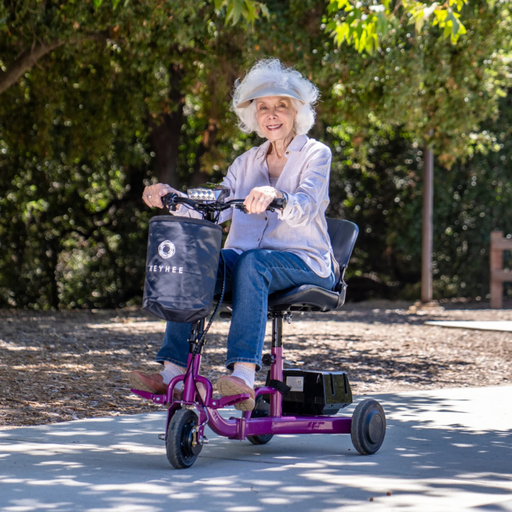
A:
[(166, 249)]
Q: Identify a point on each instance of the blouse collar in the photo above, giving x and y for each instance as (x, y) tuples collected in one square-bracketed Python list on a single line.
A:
[(296, 145)]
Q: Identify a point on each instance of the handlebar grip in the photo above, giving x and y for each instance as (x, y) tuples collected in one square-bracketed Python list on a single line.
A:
[(276, 204), (169, 201)]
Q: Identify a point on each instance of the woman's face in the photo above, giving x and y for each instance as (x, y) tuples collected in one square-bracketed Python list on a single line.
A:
[(275, 116)]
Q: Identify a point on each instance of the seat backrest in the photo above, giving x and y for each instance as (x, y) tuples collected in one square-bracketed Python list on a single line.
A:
[(343, 235)]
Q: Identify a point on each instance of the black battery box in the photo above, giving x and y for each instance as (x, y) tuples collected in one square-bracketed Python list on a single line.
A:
[(315, 393)]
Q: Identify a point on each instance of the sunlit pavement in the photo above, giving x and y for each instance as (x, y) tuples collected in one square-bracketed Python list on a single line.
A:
[(446, 451)]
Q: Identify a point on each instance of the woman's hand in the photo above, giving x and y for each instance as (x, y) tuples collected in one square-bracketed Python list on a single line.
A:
[(259, 199), (153, 194)]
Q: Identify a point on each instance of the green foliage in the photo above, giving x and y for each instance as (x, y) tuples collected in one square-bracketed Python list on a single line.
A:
[(140, 92), (377, 183), (427, 90), (365, 24), (246, 9), (71, 222), (473, 199), (420, 82)]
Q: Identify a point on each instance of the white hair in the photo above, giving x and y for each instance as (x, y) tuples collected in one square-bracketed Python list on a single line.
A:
[(272, 72)]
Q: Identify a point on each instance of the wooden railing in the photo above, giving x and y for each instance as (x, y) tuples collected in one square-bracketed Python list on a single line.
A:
[(498, 274)]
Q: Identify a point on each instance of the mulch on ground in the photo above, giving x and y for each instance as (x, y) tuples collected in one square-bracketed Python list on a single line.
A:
[(60, 366)]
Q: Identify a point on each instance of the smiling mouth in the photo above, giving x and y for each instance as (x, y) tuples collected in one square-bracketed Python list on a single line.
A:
[(274, 127)]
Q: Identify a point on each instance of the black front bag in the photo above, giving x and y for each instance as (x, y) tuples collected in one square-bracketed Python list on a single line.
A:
[(181, 268)]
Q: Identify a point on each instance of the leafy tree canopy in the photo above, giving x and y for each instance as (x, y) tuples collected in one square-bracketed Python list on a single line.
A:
[(141, 92), (30, 29), (416, 79), (363, 24)]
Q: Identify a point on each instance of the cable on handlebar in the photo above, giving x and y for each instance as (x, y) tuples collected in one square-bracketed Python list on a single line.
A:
[(217, 307), (199, 343)]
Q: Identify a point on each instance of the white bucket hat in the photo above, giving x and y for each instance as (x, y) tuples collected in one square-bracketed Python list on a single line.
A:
[(269, 90)]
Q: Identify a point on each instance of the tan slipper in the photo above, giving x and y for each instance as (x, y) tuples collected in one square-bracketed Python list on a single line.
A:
[(153, 383), (229, 386)]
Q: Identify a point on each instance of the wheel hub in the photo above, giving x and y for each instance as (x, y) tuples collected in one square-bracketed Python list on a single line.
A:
[(375, 427), (189, 444)]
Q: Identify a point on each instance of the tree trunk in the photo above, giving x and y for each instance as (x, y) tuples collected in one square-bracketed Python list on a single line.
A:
[(165, 132), (200, 177), (427, 229), (54, 282)]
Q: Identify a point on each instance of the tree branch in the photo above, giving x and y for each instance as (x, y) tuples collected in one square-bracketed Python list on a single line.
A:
[(28, 59), (25, 62)]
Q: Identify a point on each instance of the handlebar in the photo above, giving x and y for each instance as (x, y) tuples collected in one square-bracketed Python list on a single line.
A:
[(210, 208)]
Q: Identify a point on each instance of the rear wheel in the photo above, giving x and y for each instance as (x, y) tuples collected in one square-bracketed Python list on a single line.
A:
[(368, 427), (261, 410), (182, 439)]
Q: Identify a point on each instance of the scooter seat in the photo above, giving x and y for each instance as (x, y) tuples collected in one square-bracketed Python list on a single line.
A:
[(301, 298), (307, 298), (343, 234)]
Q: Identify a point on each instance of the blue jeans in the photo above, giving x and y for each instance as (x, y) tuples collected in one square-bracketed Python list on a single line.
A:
[(250, 277)]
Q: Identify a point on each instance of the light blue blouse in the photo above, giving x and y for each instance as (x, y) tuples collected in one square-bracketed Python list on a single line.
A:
[(301, 228)]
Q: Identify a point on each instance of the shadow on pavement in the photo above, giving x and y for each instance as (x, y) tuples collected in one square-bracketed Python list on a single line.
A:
[(441, 450)]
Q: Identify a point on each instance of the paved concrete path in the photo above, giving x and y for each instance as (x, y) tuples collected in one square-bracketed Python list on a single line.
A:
[(503, 325), (446, 451)]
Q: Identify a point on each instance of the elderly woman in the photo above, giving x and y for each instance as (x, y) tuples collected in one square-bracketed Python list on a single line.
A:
[(264, 252)]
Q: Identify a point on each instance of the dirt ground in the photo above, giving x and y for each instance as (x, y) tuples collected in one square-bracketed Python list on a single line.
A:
[(60, 366)]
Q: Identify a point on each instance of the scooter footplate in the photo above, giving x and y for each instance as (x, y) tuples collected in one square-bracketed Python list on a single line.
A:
[(157, 399)]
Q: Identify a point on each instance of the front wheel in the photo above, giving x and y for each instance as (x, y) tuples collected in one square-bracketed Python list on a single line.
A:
[(182, 439), (368, 427)]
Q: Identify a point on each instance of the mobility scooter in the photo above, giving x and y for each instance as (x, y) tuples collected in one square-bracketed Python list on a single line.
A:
[(293, 401)]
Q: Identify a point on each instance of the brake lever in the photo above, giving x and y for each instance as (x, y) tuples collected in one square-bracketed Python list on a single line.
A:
[(241, 207)]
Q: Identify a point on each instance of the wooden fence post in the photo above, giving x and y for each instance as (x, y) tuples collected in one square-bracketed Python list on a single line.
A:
[(498, 274), (496, 264)]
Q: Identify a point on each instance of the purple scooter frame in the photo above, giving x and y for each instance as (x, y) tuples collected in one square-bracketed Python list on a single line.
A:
[(239, 428)]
